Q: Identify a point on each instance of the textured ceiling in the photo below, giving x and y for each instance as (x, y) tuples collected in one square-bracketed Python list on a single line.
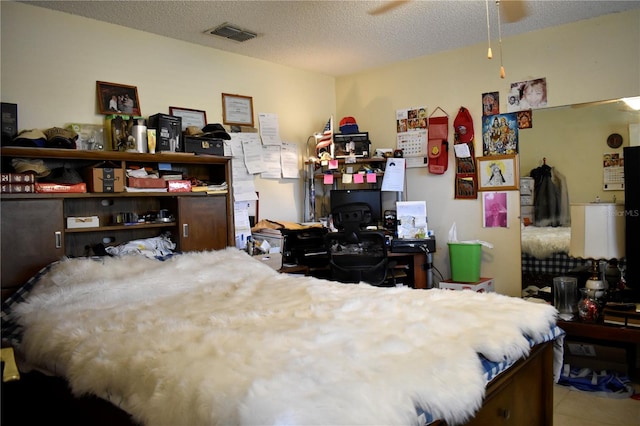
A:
[(334, 37)]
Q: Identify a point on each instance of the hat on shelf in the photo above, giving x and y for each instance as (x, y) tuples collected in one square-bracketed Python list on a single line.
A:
[(193, 131), (64, 175), (27, 165), (215, 130), (57, 137), (463, 126), (30, 138), (348, 125)]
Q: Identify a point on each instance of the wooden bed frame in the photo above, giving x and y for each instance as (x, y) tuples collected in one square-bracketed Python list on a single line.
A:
[(522, 395)]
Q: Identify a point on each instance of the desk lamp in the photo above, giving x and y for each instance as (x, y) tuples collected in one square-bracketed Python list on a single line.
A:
[(597, 232)]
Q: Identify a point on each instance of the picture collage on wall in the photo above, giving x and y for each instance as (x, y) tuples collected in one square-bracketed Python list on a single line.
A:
[(497, 168)]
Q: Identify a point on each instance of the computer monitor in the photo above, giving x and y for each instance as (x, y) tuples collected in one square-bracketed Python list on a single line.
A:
[(373, 197)]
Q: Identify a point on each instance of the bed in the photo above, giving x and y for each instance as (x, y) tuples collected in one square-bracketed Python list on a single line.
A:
[(545, 254), (206, 338)]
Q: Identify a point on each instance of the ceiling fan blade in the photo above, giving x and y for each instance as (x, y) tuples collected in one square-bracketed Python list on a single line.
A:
[(513, 10), (387, 7)]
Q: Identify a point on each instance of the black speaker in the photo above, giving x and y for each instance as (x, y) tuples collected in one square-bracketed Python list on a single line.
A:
[(9, 122)]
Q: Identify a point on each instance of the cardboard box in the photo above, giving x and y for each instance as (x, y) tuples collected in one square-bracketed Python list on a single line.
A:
[(104, 177), (204, 145), (526, 200), (83, 222), (527, 185), (175, 185), (146, 182), (485, 285), (168, 132), (596, 357)]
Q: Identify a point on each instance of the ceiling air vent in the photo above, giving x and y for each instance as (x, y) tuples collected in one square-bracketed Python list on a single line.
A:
[(227, 31)]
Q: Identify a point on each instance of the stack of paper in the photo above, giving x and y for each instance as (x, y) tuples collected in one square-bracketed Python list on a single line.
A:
[(412, 219)]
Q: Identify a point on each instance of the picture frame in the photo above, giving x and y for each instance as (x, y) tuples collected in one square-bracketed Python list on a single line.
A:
[(498, 173), (237, 110), (495, 209), (189, 116), (466, 186), (114, 98), (500, 134)]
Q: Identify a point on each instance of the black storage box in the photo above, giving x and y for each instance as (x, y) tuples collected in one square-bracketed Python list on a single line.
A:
[(356, 144), (204, 145), (304, 247), (168, 129)]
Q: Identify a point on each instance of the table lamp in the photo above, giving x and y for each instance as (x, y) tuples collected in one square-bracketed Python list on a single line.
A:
[(597, 232)]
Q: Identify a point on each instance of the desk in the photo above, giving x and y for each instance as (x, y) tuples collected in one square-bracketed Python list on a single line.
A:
[(422, 265), (603, 334)]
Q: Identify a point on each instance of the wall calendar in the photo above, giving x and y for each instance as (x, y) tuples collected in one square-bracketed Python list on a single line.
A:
[(613, 166), (413, 144)]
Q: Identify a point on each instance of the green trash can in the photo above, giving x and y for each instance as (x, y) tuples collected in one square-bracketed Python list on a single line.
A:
[(465, 261)]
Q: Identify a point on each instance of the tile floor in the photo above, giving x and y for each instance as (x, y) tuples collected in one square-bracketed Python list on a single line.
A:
[(576, 408)]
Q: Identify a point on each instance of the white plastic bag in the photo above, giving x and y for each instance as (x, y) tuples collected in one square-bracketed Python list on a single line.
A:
[(453, 238)]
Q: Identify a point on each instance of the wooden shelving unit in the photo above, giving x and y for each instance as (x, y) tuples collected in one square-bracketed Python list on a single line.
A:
[(34, 231)]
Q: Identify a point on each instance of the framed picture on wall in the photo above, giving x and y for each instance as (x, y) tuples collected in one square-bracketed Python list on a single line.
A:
[(190, 117), (237, 110), (498, 173), (116, 98), (495, 211)]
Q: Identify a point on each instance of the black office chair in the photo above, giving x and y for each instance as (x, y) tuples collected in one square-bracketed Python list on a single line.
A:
[(356, 254)]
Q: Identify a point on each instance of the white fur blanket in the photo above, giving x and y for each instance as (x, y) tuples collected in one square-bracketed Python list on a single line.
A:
[(542, 242), (219, 338)]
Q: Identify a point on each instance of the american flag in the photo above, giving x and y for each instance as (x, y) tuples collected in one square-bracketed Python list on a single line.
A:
[(327, 136)]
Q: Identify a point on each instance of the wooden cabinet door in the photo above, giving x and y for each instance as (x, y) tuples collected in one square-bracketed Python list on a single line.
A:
[(32, 237), (202, 223)]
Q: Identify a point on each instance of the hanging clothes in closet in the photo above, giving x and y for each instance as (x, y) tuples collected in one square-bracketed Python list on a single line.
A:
[(550, 197)]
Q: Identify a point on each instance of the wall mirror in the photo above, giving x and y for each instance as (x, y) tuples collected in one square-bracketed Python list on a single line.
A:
[(574, 140)]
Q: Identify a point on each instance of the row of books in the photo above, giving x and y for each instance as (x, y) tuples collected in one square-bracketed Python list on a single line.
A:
[(42, 187), (17, 183), (211, 189), (627, 315)]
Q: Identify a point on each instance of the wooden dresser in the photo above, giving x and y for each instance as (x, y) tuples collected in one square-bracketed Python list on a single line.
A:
[(34, 231)]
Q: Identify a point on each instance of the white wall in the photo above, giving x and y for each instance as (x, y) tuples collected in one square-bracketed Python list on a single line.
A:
[(589, 60), (51, 61)]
